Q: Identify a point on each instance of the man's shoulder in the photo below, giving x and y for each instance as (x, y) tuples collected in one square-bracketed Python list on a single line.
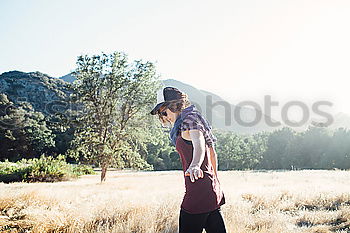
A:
[(192, 122), (193, 116)]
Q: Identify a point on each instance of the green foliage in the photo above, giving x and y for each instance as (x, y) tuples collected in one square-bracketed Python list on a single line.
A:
[(276, 154), (44, 169), (34, 119), (49, 169), (82, 169), (23, 133), (239, 151), (316, 148), (160, 152), (116, 96), (9, 170), (116, 129)]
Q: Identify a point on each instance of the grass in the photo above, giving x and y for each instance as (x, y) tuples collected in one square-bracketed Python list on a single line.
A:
[(271, 201)]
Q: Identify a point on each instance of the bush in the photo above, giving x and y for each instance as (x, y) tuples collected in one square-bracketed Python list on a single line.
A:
[(44, 169), (83, 169), (10, 172)]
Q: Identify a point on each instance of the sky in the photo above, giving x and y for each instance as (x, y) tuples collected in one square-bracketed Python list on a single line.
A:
[(241, 50)]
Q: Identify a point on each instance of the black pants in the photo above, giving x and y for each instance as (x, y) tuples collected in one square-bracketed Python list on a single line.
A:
[(212, 222)]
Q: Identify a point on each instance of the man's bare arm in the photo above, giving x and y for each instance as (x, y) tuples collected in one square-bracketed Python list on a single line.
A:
[(198, 143), (214, 159)]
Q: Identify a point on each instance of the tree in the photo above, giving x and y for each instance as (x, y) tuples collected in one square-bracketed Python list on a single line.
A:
[(338, 151), (315, 144), (232, 150), (23, 131), (258, 146), (276, 154), (117, 97), (160, 152)]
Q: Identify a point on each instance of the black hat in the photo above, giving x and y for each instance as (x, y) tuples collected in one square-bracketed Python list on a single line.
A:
[(169, 94)]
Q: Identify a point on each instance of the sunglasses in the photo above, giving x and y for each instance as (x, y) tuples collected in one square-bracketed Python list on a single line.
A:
[(163, 113)]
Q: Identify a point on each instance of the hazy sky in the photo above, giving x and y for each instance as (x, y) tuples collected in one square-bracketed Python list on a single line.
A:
[(238, 49)]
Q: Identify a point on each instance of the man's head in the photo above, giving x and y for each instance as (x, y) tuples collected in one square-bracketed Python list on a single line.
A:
[(174, 102)]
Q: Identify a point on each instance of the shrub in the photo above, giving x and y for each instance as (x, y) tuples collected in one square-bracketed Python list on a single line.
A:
[(44, 169), (83, 169), (10, 172), (47, 169)]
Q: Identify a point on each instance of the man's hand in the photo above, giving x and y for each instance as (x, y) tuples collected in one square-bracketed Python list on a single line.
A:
[(194, 172)]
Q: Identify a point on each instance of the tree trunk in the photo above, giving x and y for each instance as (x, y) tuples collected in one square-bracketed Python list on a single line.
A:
[(103, 173)]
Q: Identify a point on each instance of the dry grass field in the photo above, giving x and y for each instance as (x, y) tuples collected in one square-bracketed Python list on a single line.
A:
[(273, 201)]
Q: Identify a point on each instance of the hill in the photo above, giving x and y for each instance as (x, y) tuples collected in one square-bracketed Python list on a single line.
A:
[(227, 121), (46, 94), (221, 113)]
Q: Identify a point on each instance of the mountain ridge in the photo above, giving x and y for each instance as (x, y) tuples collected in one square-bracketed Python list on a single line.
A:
[(40, 89)]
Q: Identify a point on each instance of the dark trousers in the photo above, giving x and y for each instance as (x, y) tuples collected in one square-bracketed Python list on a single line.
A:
[(212, 222)]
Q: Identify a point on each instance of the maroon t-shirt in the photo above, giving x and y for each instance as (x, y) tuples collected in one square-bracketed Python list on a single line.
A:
[(203, 195)]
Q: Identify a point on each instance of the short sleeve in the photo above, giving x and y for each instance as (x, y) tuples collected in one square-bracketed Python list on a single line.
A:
[(212, 140), (191, 122)]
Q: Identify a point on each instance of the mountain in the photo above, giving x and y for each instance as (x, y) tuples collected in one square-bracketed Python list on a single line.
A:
[(219, 119), (68, 78), (220, 113), (339, 120), (46, 94)]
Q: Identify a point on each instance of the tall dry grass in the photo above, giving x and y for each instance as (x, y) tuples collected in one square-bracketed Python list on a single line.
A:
[(276, 202)]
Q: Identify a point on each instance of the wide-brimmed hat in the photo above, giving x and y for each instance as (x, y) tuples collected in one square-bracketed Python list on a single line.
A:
[(169, 94)]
